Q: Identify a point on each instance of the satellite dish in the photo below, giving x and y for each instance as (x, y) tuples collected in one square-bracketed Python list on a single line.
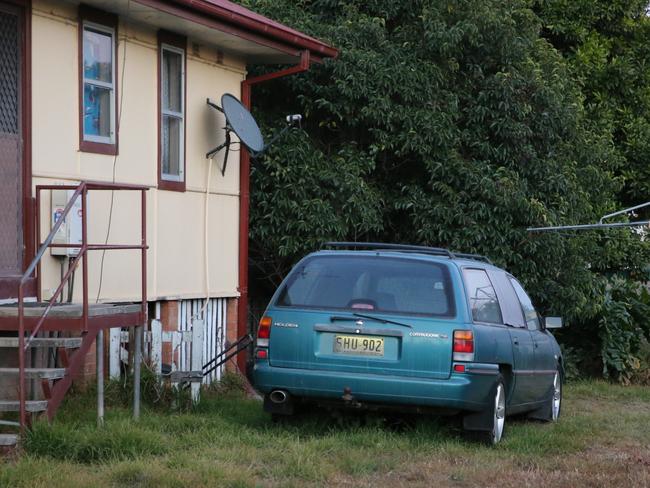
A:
[(240, 122)]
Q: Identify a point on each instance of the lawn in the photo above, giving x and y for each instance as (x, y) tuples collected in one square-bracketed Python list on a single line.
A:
[(602, 439)]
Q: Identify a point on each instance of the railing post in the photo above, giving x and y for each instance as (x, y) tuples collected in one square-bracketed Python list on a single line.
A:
[(21, 358), (100, 378), (37, 214), (140, 330), (84, 251)]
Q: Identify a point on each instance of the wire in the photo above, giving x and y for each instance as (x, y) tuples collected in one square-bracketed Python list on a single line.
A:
[(110, 212), (206, 231)]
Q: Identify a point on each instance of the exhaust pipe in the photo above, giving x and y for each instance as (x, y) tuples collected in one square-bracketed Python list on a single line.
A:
[(279, 396)]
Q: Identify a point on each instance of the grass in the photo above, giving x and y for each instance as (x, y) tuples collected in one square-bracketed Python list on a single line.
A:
[(602, 439)]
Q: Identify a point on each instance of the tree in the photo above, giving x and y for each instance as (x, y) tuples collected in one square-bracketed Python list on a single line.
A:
[(453, 124)]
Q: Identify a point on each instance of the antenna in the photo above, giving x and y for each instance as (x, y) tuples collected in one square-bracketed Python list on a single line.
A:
[(240, 122)]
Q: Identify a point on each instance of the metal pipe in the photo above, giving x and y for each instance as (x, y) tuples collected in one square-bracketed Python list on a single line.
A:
[(21, 359), (244, 200), (137, 358), (589, 226), (631, 209), (100, 378), (84, 254)]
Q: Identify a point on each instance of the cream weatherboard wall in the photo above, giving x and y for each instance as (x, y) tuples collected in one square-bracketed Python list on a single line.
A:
[(176, 258)]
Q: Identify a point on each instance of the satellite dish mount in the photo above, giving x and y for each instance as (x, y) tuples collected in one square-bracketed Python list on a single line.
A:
[(240, 122)]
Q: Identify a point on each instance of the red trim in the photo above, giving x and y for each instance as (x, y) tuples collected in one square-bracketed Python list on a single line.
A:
[(9, 284), (90, 14), (165, 37), (260, 30), (244, 202)]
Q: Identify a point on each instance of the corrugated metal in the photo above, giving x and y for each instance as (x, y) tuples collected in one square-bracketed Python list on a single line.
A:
[(214, 333)]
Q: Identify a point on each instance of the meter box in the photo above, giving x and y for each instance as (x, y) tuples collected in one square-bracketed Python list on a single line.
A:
[(70, 230)]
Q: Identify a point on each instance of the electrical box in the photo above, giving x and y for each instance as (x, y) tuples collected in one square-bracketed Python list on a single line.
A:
[(70, 230)]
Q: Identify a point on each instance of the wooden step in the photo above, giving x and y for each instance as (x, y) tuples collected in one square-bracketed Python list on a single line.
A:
[(67, 342), (8, 440), (30, 406), (37, 373)]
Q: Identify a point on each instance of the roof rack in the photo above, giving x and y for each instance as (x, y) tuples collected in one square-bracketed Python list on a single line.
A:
[(476, 257), (381, 246)]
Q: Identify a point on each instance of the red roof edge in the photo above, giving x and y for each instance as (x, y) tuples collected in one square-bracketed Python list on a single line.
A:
[(243, 18)]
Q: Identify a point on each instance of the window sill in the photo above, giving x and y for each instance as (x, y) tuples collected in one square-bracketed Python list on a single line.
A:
[(98, 148), (171, 185)]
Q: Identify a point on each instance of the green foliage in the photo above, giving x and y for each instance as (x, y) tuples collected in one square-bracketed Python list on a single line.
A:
[(460, 124), (623, 328)]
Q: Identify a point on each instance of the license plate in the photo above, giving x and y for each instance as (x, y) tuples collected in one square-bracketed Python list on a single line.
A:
[(359, 345)]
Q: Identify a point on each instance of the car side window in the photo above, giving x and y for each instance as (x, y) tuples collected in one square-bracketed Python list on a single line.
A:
[(532, 319), (482, 298)]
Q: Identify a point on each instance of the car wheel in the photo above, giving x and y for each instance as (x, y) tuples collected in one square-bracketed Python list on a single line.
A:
[(556, 399), (498, 416), (550, 410)]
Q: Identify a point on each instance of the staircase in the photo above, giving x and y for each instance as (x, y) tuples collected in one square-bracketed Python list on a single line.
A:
[(32, 322), (48, 378)]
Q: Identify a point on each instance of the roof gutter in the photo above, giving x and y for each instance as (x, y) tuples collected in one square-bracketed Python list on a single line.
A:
[(244, 200), (259, 27)]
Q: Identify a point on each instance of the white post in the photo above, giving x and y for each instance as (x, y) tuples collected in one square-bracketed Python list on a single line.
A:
[(156, 346), (114, 358), (197, 355)]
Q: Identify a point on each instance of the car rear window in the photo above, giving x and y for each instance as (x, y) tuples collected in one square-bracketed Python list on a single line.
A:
[(369, 283)]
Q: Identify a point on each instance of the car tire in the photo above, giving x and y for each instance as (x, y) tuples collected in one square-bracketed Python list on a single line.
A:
[(494, 436), (551, 410), (492, 420)]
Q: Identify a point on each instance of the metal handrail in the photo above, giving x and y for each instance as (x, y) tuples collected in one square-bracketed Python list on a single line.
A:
[(80, 190)]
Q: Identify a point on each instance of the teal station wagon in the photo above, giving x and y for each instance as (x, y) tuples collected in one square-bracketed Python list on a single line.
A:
[(408, 328)]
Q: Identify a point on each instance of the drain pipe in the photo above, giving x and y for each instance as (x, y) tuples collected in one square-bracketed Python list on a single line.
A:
[(244, 201)]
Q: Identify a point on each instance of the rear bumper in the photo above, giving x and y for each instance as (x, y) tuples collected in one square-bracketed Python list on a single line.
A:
[(462, 391)]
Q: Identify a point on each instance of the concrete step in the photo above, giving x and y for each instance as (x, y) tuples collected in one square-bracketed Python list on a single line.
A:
[(67, 342), (10, 423), (36, 373), (8, 440), (30, 406)]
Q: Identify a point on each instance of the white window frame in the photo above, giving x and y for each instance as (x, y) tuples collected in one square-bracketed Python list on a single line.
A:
[(180, 177), (102, 84)]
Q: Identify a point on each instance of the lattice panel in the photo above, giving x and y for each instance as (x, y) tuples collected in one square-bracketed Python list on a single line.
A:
[(10, 147)]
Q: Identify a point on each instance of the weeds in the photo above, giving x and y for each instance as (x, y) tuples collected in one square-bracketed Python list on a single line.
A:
[(228, 441)]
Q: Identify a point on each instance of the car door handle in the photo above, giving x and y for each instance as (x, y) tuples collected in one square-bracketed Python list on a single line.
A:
[(515, 342), (536, 345)]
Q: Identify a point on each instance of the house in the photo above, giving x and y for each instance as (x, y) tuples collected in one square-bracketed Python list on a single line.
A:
[(114, 92)]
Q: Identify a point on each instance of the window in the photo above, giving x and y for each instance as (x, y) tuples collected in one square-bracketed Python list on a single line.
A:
[(532, 319), (98, 33), (172, 112), (370, 284), (482, 298)]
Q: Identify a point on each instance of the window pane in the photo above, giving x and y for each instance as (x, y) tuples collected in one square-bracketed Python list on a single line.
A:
[(371, 284), (97, 111), (482, 297), (172, 133), (532, 321), (98, 55), (172, 81)]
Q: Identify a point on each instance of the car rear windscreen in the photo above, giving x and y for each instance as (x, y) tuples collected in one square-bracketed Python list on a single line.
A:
[(369, 283)]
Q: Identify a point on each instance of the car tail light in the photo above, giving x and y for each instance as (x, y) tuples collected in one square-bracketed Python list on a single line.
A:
[(463, 345), (264, 332), (261, 354), (459, 368)]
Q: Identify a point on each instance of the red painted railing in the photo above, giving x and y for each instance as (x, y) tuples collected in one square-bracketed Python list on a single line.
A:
[(35, 266)]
